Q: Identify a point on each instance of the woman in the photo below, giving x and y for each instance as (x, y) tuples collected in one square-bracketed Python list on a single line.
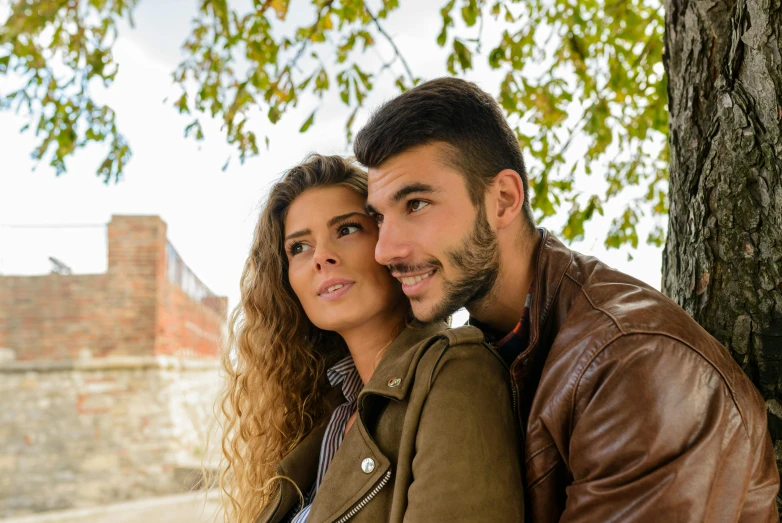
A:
[(338, 407)]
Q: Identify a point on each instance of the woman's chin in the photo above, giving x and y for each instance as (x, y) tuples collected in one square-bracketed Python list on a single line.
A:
[(341, 322)]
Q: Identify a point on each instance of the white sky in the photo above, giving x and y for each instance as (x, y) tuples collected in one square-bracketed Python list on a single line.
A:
[(210, 213)]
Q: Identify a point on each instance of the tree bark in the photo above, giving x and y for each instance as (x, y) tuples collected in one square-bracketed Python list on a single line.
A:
[(723, 257)]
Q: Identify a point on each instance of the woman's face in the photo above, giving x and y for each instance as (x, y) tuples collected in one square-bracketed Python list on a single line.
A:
[(330, 245)]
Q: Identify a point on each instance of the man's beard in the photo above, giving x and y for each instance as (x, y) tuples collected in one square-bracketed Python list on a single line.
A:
[(477, 261)]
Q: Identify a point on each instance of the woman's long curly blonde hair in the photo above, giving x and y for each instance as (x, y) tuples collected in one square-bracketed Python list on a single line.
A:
[(276, 358)]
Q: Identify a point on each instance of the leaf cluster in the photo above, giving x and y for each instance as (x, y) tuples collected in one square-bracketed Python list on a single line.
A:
[(580, 79), (239, 63), (583, 73), (57, 49)]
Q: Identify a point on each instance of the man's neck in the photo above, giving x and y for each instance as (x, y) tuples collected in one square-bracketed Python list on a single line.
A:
[(501, 310)]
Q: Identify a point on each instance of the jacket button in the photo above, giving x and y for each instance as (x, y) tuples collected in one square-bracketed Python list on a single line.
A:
[(368, 465), (394, 382)]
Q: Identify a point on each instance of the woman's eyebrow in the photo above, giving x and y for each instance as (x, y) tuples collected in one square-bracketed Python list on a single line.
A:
[(297, 234), (335, 220)]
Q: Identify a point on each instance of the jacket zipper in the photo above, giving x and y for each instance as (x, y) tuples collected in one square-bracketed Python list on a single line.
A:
[(361, 504)]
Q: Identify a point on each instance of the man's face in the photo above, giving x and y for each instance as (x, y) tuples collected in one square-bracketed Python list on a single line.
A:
[(432, 237)]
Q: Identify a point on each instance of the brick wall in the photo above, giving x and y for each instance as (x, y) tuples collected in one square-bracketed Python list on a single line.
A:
[(186, 327), (136, 269), (132, 310), (55, 316)]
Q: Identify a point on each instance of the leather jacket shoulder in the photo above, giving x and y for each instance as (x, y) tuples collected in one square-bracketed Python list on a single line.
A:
[(633, 412)]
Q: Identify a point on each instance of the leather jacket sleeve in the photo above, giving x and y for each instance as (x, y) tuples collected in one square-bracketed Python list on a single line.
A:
[(657, 436), (467, 466)]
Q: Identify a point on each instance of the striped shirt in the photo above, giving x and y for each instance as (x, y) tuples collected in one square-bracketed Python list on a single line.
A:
[(345, 374)]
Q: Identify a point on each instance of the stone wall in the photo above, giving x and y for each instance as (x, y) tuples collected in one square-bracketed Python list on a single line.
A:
[(85, 432)]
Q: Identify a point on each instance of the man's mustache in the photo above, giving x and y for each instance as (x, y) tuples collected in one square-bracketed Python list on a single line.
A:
[(406, 269)]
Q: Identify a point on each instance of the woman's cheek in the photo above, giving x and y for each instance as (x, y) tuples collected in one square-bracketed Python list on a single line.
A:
[(295, 277)]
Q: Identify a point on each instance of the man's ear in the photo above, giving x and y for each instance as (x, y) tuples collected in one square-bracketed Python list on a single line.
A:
[(508, 194)]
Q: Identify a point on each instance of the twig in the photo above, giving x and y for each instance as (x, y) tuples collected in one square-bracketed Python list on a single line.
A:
[(480, 29), (393, 45), (304, 43), (264, 7)]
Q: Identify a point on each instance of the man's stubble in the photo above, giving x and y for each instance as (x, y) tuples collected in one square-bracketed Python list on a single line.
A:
[(477, 261)]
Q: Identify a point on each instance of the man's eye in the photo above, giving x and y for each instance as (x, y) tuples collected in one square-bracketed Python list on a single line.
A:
[(417, 205), (378, 218)]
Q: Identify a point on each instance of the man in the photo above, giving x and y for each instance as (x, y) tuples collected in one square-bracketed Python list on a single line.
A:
[(630, 410)]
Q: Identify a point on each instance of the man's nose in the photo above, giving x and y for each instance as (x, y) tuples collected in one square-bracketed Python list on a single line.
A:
[(393, 245)]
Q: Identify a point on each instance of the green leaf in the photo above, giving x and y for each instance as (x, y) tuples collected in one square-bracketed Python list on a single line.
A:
[(181, 104), (496, 57), (445, 13), (280, 8), (274, 114), (623, 230), (195, 125), (470, 13), (463, 55), (306, 125)]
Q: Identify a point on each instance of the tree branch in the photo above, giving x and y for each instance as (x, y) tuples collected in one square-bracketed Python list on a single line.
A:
[(480, 30), (393, 45)]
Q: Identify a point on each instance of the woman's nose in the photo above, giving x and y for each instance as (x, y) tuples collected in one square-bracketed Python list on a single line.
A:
[(325, 257)]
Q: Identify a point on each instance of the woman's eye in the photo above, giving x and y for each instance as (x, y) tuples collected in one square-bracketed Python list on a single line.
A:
[(298, 248), (348, 229), (417, 205)]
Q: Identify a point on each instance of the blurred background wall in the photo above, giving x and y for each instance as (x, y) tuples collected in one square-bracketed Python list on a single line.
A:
[(107, 381)]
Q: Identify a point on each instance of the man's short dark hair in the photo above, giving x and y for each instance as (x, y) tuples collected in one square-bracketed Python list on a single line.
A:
[(479, 141)]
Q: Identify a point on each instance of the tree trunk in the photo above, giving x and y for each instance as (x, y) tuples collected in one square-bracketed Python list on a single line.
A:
[(723, 258)]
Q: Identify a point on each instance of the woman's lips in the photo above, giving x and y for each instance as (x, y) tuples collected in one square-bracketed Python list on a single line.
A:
[(336, 291)]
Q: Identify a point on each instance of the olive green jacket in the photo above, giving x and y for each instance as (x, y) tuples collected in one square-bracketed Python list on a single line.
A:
[(435, 440)]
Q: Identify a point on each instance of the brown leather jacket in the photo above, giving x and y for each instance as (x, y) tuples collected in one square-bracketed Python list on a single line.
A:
[(633, 412), (435, 440)]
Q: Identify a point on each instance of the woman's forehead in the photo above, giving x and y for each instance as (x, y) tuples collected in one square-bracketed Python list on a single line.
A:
[(315, 207)]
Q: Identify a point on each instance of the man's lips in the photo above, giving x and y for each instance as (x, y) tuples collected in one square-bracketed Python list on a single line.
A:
[(413, 278), (414, 282)]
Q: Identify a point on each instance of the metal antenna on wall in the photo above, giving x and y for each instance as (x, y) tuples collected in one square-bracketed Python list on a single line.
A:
[(59, 267)]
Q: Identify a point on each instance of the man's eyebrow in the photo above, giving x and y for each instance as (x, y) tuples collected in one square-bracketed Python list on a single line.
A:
[(413, 188), (407, 190)]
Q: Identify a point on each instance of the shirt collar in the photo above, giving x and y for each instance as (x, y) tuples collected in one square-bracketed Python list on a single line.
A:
[(344, 373), (499, 339)]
